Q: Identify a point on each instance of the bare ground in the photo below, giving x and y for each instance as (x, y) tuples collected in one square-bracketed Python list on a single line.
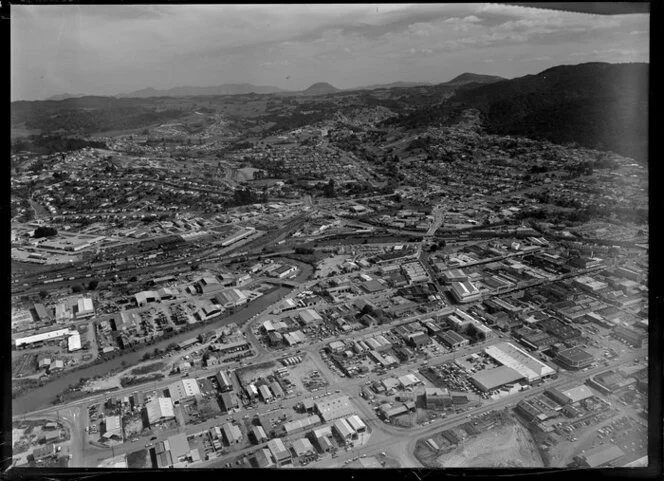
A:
[(507, 446)]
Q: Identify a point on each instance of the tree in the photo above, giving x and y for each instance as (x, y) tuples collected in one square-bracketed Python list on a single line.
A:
[(45, 232), (76, 289), (43, 294), (93, 285), (329, 189)]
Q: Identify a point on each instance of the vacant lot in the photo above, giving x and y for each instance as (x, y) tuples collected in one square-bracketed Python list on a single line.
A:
[(157, 366), (507, 446)]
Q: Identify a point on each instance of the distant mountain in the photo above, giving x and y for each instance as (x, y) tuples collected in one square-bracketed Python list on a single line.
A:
[(466, 78), (66, 96), (320, 88), (596, 105), (225, 89), (393, 85)]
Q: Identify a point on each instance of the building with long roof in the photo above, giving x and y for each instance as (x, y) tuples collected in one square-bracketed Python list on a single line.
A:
[(184, 389), (159, 409), (334, 407), (507, 354)]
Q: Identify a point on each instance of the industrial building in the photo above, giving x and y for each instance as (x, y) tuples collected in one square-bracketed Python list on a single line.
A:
[(41, 337), (356, 423), (229, 401), (74, 342), (159, 409), (600, 456), (303, 449), (507, 354), (334, 407), (437, 398), (494, 378), (85, 308), (183, 389), (302, 424), (232, 433), (279, 453), (452, 339), (224, 381), (574, 358), (465, 292), (343, 430), (309, 316)]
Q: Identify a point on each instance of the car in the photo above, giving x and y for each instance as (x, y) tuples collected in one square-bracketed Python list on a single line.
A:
[(148, 445)]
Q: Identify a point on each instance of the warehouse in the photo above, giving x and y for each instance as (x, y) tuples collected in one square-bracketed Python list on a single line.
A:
[(183, 389), (265, 393), (276, 389), (280, 454), (224, 381), (454, 275), (334, 407), (85, 308), (343, 430), (465, 292), (259, 434), (578, 393), (232, 433), (264, 458), (600, 456), (356, 423), (41, 337), (159, 409), (74, 342), (574, 358), (144, 297), (494, 378), (511, 356), (309, 316), (231, 298), (229, 401), (303, 449), (437, 398), (452, 339), (297, 425), (113, 426)]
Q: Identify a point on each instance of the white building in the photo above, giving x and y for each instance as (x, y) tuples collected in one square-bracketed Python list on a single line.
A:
[(183, 389), (85, 308), (159, 409), (74, 342)]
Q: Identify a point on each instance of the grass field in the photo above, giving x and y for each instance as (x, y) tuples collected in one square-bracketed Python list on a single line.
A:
[(157, 366)]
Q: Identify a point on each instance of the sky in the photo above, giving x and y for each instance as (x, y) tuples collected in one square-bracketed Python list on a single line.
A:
[(115, 49)]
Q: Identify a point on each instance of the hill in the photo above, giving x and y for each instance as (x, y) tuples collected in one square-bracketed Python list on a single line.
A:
[(225, 89), (596, 105), (393, 85), (320, 88), (466, 78)]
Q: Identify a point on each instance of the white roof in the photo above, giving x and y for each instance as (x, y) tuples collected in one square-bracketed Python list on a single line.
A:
[(184, 388), (113, 425), (74, 342), (85, 305), (41, 337), (511, 356), (355, 422), (578, 393), (159, 408)]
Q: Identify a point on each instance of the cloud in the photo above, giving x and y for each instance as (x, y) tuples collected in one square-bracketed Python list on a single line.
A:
[(115, 48)]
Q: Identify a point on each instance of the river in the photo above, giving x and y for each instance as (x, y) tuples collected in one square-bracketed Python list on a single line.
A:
[(45, 395)]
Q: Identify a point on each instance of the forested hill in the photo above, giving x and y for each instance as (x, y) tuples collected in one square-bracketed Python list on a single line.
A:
[(596, 105)]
